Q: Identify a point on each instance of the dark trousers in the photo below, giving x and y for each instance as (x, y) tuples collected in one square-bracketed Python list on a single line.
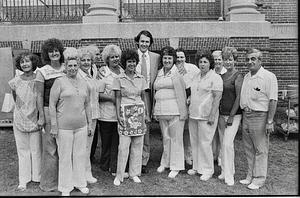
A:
[(110, 142), (95, 140)]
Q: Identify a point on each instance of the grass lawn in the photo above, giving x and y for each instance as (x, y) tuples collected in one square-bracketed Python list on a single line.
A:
[(282, 173)]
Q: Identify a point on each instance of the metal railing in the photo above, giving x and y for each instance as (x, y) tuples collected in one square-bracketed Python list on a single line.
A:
[(42, 11), (178, 10)]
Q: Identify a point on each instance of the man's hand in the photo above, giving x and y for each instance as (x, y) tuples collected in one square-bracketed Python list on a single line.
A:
[(269, 128)]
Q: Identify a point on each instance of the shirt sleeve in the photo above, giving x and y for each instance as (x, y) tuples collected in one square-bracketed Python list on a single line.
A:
[(39, 76), (273, 87), (116, 84), (54, 97), (12, 84), (101, 86), (217, 83)]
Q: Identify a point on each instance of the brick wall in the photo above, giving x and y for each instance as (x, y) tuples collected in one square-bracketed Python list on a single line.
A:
[(280, 11)]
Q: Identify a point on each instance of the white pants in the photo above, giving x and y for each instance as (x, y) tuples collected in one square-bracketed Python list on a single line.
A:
[(202, 135), (187, 144), (29, 149), (72, 155), (227, 136), (135, 144), (173, 152), (88, 168)]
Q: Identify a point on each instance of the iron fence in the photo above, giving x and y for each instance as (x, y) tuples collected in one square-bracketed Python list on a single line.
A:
[(178, 10), (42, 11)]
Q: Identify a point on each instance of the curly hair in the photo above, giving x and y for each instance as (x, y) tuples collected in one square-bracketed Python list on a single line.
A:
[(169, 51), (145, 33), (70, 53), (48, 46), (83, 51), (229, 51), (35, 60), (205, 54), (109, 50), (93, 49), (129, 54)]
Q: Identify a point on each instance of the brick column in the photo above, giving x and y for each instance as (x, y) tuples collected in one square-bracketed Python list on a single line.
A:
[(244, 10), (102, 11)]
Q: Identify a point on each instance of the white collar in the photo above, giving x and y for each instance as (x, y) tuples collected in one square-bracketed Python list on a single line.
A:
[(141, 53)]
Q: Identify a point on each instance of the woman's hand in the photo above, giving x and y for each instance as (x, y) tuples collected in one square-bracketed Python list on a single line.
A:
[(121, 121), (211, 120), (41, 122), (54, 132), (89, 130), (147, 119), (229, 121), (188, 101)]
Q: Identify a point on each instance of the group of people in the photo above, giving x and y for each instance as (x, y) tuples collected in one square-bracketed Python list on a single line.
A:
[(62, 105)]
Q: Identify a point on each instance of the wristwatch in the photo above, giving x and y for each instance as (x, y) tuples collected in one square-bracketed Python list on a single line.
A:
[(270, 122)]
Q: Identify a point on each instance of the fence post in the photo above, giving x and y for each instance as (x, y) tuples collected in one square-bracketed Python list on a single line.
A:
[(102, 11), (244, 10)]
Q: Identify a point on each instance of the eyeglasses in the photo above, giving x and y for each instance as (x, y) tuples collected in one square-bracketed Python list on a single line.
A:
[(251, 58)]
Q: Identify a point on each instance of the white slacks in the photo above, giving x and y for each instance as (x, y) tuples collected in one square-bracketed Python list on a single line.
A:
[(135, 144), (29, 149), (72, 156), (88, 167), (187, 144), (173, 152), (227, 136), (202, 135)]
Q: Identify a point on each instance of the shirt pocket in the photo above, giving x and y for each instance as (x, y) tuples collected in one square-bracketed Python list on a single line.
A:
[(257, 91)]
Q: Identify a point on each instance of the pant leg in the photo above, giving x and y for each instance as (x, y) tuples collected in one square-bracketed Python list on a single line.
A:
[(123, 152), (106, 139), (206, 135), (79, 157), (216, 145), (165, 157), (36, 155), (96, 140), (187, 144), (248, 145), (136, 152), (176, 127), (261, 146), (228, 148), (65, 141), (146, 147), (114, 148), (49, 171), (23, 150), (88, 168), (193, 129)]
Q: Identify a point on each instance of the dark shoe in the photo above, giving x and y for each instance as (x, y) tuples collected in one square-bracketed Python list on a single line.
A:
[(144, 170)]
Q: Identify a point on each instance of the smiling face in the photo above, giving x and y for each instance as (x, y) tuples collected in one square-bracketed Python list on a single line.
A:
[(97, 56), (85, 62), (168, 61), (130, 65), (54, 55), (113, 60), (144, 43), (26, 64), (253, 62), (229, 62), (72, 68), (180, 58), (204, 65), (218, 61)]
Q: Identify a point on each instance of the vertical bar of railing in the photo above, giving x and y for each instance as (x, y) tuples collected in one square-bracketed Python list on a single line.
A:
[(52, 9), (183, 8), (121, 12), (152, 8), (83, 8), (136, 9), (144, 9), (160, 13), (59, 14)]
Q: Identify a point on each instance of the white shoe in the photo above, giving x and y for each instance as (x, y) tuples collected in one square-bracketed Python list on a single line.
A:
[(160, 169), (245, 181), (205, 177), (65, 194), (222, 176), (92, 180), (126, 175), (191, 172), (173, 173), (136, 179), (84, 190), (253, 186), (21, 187), (230, 182), (113, 174), (117, 182)]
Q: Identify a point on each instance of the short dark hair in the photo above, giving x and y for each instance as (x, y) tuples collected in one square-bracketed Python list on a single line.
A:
[(205, 54), (35, 60), (170, 51), (180, 50), (129, 54), (48, 46), (146, 33)]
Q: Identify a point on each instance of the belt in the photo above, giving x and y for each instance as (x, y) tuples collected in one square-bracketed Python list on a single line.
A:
[(248, 110)]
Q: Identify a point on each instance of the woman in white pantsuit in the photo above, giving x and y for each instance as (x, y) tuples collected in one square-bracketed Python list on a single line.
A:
[(230, 113), (171, 110), (70, 113), (27, 131), (206, 92)]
